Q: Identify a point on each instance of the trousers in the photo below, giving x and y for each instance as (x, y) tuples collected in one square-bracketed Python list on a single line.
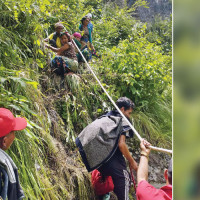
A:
[(121, 179)]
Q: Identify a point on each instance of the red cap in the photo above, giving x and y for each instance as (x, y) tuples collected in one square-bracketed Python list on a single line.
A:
[(9, 123)]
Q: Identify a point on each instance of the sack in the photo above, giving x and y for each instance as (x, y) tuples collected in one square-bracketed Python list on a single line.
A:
[(101, 186), (98, 141)]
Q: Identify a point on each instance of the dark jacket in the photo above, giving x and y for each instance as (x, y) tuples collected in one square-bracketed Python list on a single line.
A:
[(14, 190), (3, 183)]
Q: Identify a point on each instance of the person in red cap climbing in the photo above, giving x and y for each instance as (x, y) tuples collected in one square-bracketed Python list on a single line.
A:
[(10, 187)]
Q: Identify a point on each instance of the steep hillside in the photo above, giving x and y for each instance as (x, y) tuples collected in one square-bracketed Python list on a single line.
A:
[(135, 62)]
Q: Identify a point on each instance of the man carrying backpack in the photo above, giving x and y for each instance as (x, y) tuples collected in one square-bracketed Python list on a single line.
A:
[(102, 145)]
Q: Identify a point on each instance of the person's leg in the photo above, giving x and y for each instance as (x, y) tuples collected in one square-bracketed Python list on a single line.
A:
[(71, 64), (79, 57), (120, 177), (86, 54), (121, 182), (57, 66)]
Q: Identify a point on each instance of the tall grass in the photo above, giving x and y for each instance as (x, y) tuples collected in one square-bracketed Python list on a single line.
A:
[(48, 162)]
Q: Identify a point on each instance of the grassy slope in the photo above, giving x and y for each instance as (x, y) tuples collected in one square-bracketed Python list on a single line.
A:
[(56, 117)]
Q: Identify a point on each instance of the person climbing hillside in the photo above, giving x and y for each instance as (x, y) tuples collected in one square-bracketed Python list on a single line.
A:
[(77, 37), (86, 38), (65, 61), (102, 145), (146, 191), (9, 181), (90, 25), (54, 38)]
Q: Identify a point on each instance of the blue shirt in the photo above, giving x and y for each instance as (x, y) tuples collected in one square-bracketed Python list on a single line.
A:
[(90, 25), (90, 31)]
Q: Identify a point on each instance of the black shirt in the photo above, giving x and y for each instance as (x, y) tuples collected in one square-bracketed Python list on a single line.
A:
[(118, 156)]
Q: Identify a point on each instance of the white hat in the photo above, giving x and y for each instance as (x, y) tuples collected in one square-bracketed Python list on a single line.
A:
[(89, 15), (58, 24)]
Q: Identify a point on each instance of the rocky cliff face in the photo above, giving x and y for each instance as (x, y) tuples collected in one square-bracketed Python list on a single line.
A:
[(158, 162), (155, 7)]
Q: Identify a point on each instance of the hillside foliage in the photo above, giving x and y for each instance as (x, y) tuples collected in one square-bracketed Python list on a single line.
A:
[(135, 62)]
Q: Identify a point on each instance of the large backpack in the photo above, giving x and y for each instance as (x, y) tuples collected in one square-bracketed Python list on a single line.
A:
[(99, 140)]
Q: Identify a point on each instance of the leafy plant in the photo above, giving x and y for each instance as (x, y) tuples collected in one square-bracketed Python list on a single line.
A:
[(136, 62)]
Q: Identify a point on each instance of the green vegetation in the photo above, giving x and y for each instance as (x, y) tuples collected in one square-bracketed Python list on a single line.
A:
[(135, 62)]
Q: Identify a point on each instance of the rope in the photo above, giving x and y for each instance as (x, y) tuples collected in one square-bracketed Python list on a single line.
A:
[(134, 130)]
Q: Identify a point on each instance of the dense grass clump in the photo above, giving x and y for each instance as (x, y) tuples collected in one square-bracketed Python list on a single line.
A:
[(135, 62)]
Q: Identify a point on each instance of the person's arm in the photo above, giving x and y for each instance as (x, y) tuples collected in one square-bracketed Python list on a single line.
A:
[(90, 39), (142, 173), (50, 37), (58, 50), (83, 44), (124, 149), (90, 35)]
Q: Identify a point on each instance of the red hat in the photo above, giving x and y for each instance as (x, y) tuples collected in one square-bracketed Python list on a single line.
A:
[(9, 123)]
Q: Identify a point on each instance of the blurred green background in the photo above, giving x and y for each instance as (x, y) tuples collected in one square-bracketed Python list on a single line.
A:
[(186, 135)]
